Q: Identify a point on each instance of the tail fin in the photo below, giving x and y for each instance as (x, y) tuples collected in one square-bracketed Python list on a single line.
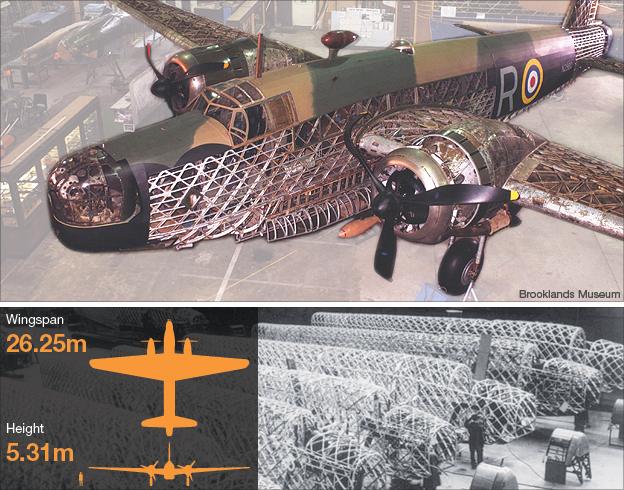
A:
[(580, 13), (169, 423)]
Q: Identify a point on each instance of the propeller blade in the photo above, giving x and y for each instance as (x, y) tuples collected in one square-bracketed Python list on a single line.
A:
[(355, 151), (448, 195), (193, 463), (148, 55), (385, 255)]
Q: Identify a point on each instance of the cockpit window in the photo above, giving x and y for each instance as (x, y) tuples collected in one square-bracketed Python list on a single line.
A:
[(240, 109), (252, 91)]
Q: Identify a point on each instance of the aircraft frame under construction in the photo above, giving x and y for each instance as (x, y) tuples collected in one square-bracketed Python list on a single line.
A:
[(269, 140), (389, 394)]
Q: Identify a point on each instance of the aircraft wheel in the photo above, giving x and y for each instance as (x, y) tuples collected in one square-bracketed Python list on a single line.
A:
[(459, 266)]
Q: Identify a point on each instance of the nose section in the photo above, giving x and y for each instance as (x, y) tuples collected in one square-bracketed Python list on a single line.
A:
[(90, 194), (87, 189)]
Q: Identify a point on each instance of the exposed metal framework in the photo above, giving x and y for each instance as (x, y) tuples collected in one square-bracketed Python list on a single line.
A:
[(608, 358), (295, 453), (414, 381), (509, 359), (576, 187), (405, 436), (551, 179), (265, 483), (561, 387), (581, 13), (183, 28), (553, 340), (291, 181), (589, 42), (468, 92)]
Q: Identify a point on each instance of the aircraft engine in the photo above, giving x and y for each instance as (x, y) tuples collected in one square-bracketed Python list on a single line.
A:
[(210, 64), (472, 152), (188, 73)]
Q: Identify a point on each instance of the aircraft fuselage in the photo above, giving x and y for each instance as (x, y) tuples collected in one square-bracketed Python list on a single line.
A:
[(257, 156)]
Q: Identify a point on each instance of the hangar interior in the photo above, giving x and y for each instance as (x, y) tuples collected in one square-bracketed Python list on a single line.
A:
[(381, 389), (60, 93)]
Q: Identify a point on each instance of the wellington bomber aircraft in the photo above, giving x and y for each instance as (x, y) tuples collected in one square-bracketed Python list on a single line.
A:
[(270, 140), (169, 470), (169, 367)]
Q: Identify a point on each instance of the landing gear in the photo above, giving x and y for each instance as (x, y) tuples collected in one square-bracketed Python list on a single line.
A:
[(461, 265)]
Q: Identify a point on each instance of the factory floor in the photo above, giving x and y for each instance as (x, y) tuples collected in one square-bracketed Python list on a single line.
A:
[(525, 457), (541, 253)]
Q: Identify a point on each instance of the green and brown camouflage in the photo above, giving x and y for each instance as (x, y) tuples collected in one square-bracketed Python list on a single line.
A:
[(250, 153)]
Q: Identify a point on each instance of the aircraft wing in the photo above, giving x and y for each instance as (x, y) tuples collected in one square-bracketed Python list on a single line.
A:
[(184, 28), (605, 64), (213, 470), (572, 186), (476, 29), (163, 366), (127, 470), (553, 179)]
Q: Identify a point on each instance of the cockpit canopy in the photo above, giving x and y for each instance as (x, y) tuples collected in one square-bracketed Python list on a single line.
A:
[(244, 111)]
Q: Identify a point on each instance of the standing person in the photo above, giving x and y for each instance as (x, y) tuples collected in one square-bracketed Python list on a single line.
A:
[(476, 428)]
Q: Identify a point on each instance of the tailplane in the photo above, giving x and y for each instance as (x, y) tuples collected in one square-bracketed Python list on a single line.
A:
[(169, 423), (581, 13), (592, 38)]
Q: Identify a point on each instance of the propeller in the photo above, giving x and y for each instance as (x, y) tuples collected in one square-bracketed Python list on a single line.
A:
[(151, 465), (168, 87), (151, 469), (393, 202), (188, 469)]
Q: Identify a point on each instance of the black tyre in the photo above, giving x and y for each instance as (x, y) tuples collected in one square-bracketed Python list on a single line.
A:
[(459, 267)]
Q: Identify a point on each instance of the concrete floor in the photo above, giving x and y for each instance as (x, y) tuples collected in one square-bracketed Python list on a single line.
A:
[(542, 253), (525, 457)]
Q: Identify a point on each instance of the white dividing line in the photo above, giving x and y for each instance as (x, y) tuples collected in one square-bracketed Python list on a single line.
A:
[(228, 273)]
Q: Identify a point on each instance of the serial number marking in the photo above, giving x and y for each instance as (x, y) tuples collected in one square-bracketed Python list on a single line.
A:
[(47, 343)]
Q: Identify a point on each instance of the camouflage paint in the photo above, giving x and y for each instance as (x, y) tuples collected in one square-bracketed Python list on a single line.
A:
[(164, 142), (323, 86)]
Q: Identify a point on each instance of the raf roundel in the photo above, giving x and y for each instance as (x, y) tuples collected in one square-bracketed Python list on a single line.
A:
[(532, 80)]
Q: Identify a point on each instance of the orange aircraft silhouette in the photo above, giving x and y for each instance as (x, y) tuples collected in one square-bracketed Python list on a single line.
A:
[(169, 367), (169, 471)]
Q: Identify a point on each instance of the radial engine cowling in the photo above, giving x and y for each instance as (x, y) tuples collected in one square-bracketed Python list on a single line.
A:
[(474, 152)]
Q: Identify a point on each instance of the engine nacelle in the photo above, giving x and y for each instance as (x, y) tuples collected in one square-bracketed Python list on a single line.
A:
[(479, 151), (214, 64)]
